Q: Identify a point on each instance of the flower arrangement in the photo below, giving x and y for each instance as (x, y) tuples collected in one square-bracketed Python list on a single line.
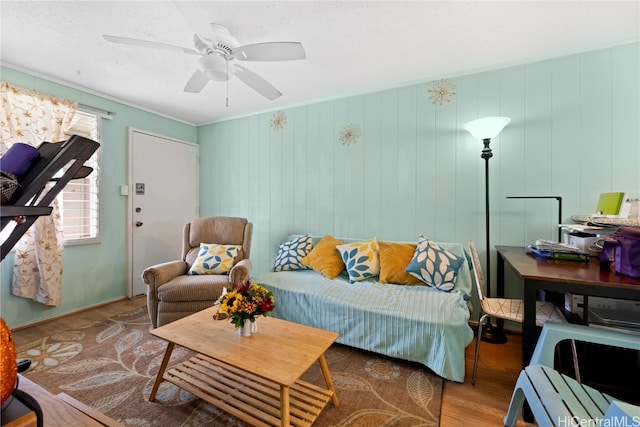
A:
[(246, 301)]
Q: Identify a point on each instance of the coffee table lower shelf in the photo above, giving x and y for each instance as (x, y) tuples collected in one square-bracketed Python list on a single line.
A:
[(246, 396)]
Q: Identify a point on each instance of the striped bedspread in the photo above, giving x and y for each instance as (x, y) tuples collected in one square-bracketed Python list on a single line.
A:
[(415, 323)]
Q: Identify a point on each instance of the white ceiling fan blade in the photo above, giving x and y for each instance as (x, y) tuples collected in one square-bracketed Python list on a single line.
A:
[(270, 51), (195, 17), (257, 83), (196, 82), (147, 43)]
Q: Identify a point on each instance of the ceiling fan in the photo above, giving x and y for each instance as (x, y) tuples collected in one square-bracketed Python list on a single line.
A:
[(219, 55)]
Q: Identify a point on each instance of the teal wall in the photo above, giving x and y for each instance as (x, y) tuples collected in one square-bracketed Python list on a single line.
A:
[(574, 133), (92, 273)]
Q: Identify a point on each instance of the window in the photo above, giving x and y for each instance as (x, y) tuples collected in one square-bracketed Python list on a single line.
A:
[(79, 200)]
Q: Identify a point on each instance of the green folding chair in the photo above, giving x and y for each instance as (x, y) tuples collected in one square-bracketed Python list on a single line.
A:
[(558, 400)]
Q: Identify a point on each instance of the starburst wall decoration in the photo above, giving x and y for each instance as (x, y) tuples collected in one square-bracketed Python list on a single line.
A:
[(442, 91), (278, 120), (349, 134)]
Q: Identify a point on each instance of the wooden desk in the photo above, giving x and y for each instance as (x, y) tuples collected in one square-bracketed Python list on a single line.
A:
[(561, 276)]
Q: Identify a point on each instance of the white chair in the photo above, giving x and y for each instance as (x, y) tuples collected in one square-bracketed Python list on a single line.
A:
[(508, 309)]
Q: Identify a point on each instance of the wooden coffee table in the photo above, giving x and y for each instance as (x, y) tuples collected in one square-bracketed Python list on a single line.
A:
[(256, 378)]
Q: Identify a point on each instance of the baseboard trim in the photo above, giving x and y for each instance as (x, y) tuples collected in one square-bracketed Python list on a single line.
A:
[(69, 313)]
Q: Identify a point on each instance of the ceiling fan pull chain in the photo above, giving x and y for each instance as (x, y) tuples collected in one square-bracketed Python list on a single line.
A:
[(227, 83)]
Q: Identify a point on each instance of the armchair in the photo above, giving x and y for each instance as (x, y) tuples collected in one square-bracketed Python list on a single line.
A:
[(173, 294)]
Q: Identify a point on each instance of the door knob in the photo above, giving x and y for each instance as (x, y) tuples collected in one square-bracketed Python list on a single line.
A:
[(138, 224)]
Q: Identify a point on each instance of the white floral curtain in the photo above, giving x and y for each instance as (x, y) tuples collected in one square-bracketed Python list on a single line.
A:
[(31, 117)]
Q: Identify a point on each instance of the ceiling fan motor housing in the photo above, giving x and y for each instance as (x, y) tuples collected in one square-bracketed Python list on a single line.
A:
[(225, 41), (215, 65)]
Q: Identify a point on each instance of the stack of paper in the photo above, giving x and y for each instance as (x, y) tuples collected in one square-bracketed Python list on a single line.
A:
[(549, 245), (547, 249)]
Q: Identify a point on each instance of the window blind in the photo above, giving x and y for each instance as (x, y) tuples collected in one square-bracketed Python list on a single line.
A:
[(79, 200)]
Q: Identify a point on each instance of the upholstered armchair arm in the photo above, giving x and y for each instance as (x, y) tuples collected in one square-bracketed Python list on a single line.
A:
[(240, 272), (159, 274)]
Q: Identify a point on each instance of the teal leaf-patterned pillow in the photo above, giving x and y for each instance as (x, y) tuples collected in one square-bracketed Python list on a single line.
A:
[(434, 266), (214, 259), (361, 259), (290, 253)]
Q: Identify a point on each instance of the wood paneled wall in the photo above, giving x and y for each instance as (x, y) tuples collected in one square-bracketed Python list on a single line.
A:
[(575, 132)]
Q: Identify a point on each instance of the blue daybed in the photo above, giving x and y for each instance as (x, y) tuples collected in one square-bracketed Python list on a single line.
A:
[(416, 323)]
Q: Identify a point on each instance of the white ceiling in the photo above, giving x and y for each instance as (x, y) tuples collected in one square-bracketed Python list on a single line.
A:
[(352, 47)]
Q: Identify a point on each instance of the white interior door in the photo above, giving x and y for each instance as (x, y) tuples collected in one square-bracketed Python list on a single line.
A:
[(163, 196)]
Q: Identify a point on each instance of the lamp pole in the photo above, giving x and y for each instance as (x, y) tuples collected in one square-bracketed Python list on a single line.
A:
[(490, 333), (486, 155), (484, 129)]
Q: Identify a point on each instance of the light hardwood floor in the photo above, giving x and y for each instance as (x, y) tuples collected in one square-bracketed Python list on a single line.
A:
[(484, 404)]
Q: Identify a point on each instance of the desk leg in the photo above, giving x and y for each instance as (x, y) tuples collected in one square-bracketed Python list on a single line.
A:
[(327, 378), (529, 334), (585, 310), (500, 287), (163, 367), (284, 406)]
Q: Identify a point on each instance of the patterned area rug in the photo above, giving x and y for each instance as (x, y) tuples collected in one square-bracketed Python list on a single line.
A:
[(111, 367)]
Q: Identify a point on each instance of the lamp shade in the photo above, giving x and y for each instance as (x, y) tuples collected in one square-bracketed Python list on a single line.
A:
[(487, 127)]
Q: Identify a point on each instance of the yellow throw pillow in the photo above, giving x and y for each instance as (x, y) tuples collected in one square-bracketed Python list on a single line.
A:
[(215, 259), (325, 258), (394, 259)]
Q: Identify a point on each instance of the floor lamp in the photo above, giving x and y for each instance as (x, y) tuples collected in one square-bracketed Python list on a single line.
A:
[(484, 130)]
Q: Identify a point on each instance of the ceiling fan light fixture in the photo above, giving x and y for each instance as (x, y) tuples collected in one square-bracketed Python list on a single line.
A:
[(216, 68)]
